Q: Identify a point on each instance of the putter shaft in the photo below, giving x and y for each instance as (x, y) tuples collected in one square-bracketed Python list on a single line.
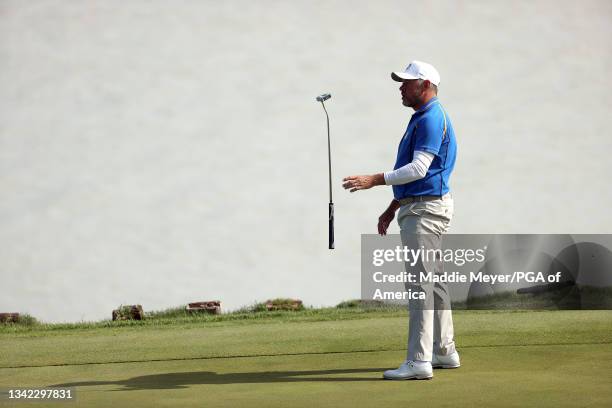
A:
[(322, 99)]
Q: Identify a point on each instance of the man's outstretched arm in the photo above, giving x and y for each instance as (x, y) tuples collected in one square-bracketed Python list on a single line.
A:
[(415, 170), (355, 183)]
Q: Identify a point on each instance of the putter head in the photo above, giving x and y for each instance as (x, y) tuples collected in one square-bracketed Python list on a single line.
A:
[(323, 97)]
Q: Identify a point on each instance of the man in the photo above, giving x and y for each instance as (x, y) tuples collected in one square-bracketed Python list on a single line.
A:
[(420, 180)]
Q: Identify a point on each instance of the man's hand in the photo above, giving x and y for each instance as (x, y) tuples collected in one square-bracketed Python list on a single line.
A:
[(355, 183), (384, 220)]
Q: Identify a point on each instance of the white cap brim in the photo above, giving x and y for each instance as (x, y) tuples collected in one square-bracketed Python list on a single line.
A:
[(401, 76)]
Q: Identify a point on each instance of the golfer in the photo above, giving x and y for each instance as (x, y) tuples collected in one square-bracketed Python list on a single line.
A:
[(420, 180)]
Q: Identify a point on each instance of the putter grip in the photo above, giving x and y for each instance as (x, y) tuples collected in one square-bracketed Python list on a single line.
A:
[(331, 225)]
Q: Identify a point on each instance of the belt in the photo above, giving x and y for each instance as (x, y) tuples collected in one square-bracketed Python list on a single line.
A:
[(414, 199)]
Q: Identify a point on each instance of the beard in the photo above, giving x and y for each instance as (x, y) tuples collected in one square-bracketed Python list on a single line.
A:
[(409, 102)]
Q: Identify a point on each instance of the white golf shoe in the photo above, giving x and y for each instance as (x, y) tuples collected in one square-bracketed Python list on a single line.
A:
[(450, 361), (409, 370)]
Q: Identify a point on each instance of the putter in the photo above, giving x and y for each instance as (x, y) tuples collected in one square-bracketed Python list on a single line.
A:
[(322, 98)]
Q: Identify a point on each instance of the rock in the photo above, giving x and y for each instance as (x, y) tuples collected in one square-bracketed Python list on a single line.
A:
[(129, 312), (9, 317), (284, 304), (211, 307)]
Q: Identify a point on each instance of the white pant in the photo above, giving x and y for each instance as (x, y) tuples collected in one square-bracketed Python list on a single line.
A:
[(422, 224)]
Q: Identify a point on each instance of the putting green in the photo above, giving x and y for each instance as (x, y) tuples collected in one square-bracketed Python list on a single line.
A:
[(509, 359)]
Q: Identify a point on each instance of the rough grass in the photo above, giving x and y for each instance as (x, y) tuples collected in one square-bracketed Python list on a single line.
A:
[(178, 317), (566, 299)]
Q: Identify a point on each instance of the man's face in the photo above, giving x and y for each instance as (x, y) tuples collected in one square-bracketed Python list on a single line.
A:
[(412, 93)]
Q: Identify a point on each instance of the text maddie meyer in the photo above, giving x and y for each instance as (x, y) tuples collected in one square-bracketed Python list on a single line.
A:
[(456, 277)]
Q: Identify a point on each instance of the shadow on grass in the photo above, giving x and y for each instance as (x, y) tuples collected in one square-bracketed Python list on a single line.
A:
[(183, 380)]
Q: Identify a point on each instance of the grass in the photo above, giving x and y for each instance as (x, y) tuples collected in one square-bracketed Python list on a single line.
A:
[(332, 357), (178, 316), (567, 298)]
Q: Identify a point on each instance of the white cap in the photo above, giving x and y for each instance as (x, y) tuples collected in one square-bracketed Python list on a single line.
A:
[(418, 70)]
